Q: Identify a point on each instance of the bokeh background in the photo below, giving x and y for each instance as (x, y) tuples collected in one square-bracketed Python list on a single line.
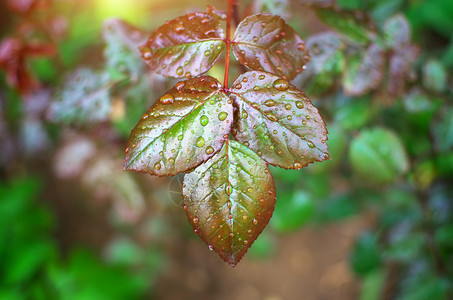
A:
[(374, 222)]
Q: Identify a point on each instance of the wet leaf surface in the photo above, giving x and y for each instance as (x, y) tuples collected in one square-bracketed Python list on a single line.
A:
[(363, 73), (182, 129), (278, 121), (121, 52), (84, 98), (264, 42), (229, 200), (186, 46)]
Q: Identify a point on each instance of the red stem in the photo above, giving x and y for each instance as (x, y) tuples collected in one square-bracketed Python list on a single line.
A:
[(228, 45)]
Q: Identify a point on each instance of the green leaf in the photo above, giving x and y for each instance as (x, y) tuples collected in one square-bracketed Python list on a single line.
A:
[(264, 42), (363, 71), (434, 76), (83, 98), (181, 130), (277, 121), (229, 200), (397, 32), (186, 46), (378, 156), (275, 7), (121, 52), (292, 210), (355, 113), (346, 23), (442, 129)]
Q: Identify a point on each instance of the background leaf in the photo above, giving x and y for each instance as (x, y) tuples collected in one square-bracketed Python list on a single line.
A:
[(378, 156), (121, 51), (264, 42), (184, 128), (83, 98), (229, 200), (186, 46), (278, 121)]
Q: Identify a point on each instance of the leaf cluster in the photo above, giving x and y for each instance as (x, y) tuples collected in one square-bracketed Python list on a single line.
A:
[(225, 137)]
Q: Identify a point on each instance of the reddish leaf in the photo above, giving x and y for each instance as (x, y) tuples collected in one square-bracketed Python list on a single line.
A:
[(181, 130), (278, 121), (265, 42), (229, 200), (13, 55), (186, 46)]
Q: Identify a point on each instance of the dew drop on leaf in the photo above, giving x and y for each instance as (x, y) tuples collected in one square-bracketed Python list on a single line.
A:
[(222, 115), (210, 247), (209, 150), (297, 165), (180, 137), (310, 144), (167, 99), (281, 84), (200, 142), (272, 117), (269, 103), (228, 190), (179, 28), (171, 160), (179, 72), (261, 77), (195, 220), (299, 104), (255, 221), (207, 53), (204, 120), (157, 166), (301, 47)]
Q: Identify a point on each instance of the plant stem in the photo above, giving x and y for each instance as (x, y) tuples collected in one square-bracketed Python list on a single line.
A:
[(228, 45)]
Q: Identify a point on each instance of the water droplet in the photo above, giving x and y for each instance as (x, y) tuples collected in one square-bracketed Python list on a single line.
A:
[(238, 86), (272, 117), (263, 24), (157, 166), (244, 217), (179, 71), (304, 122), (180, 137), (214, 85), (229, 190), (204, 120), (246, 242), (171, 160), (245, 79), (288, 106), (184, 206), (210, 247), (209, 150), (167, 99), (180, 85), (255, 39), (195, 220), (179, 28), (222, 115), (261, 77), (255, 221), (244, 114), (196, 230), (200, 142), (246, 143), (299, 104), (297, 165), (187, 75), (256, 88), (310, 144), (301, 46), (207, 53), (249, 190), (269, 103), (127, 150), (281, 84)]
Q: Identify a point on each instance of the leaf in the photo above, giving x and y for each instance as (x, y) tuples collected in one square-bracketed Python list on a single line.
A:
[(186, 46), (378, 156), (346, 23), (264, 42), (275, 7), (442, 129), (229, 200), (364, 73), (121, 51), (292, 211), (278, 121), (435, 76), (397, 32), (83, 98), (326, 63), (182, 130)]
